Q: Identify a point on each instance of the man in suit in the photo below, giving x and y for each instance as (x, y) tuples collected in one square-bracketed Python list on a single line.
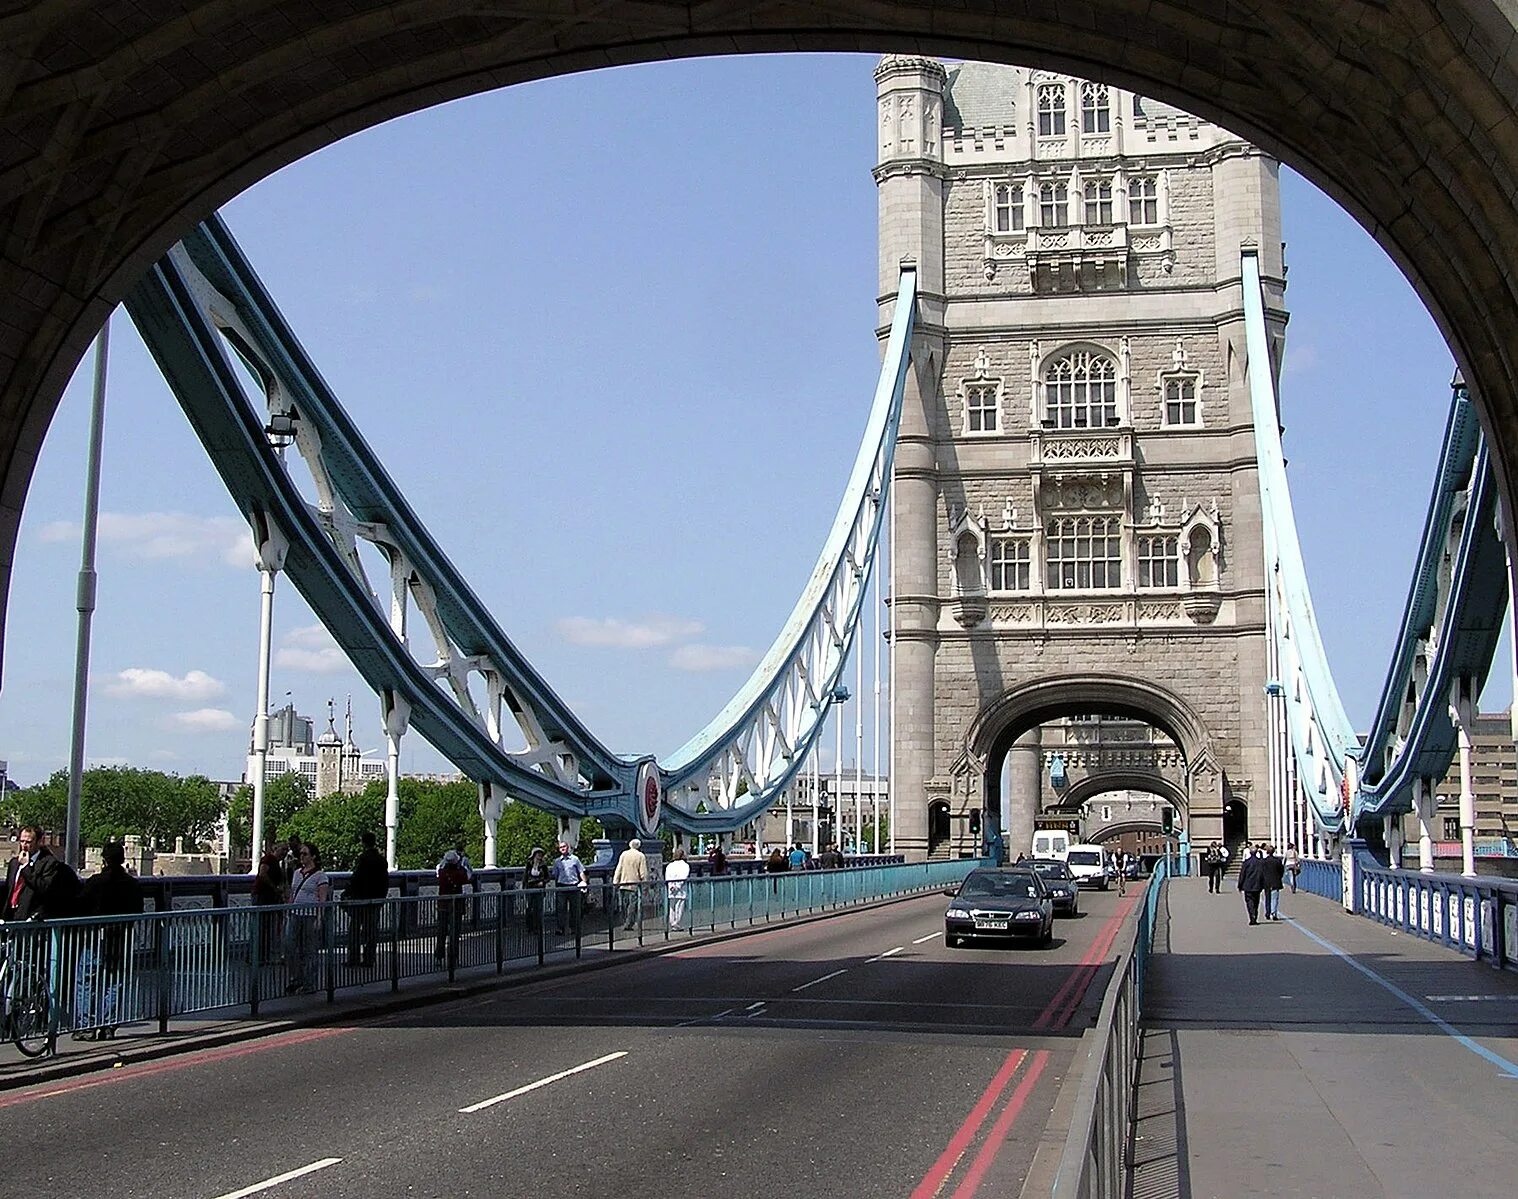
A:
[(1252, 882), (1275, 877), (32, 882)]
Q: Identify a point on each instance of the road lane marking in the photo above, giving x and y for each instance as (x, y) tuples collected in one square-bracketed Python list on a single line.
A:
[(999, 1130), (1471, 998), (1080, 977), (1509, 1069), (929, 937), (542, 1082), (287, 1176), (823, 979), (755, 1009), (940, 1170), (887, 954)]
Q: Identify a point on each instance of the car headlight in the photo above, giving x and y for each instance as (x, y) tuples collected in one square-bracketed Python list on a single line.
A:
[(957, 914), (1026, 916)]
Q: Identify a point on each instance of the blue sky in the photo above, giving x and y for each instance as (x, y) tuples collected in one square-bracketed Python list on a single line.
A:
[(614, 336)]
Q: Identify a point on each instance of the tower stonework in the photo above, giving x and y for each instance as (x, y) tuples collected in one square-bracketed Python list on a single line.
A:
[(1077, 519)]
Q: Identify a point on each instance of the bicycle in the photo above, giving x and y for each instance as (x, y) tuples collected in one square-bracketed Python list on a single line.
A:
[(24, 1006)]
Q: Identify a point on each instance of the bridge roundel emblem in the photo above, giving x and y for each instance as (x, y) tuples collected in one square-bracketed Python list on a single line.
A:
[(649, 796)]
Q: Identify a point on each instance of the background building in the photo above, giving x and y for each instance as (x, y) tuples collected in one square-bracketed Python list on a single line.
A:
[(330, 764)]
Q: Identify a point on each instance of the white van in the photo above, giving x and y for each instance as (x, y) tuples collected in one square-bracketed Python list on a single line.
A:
[(1050, 843), (1089, 865)]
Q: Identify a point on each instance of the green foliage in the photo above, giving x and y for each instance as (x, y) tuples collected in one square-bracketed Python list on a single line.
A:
[(868, 835), (284, 795), (434, 818), (119, 801), (335, 823)]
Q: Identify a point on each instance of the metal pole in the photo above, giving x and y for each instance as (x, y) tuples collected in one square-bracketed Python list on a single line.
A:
[(261, 711), (816, 802), (85, 598), (858, 741), (1462, 711), (838, 773), (891, 600), (875, 738)]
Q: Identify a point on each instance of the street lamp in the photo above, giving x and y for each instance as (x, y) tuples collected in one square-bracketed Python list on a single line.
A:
[(281, 429)]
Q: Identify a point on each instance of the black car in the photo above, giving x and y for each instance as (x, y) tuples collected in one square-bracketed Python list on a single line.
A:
[(1060, 884), (999, 904)]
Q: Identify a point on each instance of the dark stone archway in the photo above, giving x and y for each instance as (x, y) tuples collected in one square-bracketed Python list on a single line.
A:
[(120, 124)]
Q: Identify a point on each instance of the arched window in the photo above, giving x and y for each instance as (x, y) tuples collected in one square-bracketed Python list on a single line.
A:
[(1158, 561), (1099, 202), (1051, 110), (1096, 114), (1083, 553), (1007, 207), (1080, 391), (1053, 205), (1143, 201), (1009, 564)]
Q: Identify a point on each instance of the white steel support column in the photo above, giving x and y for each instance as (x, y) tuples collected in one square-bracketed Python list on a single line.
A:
[(891, 694), (271, 547), (790, 819), (1423, 803), (397, 717), (875, 738), (816, 803), (838, 776), (491, 801), (858, 744), (1394, 840), (1460, 712)]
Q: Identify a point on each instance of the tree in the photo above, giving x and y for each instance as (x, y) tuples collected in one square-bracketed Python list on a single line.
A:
[(120, 801), (284, 795), (335, 823)]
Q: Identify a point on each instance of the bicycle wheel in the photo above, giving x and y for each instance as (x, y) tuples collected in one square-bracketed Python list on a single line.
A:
[(29, 1025)]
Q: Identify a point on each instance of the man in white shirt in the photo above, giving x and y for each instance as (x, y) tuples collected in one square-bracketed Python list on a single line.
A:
[(568, 871), (675, 875)]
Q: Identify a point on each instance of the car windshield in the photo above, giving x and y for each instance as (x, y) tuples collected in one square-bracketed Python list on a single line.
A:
[(1052, 869), (1084, 857), (1000, 886)]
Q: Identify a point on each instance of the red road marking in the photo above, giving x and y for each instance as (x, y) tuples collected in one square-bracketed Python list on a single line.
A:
[(1085, 970), (147, 1069), (960, 1141), (1086, 976), (999, 1130)]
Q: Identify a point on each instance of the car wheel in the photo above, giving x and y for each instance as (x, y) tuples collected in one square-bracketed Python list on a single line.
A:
[(950, 942), (1047, 938)]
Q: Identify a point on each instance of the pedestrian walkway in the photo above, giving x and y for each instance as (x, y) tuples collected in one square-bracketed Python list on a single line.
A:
[(1323, 1055)]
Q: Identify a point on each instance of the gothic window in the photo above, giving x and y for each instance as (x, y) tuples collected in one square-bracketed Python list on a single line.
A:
[(1053, 205), (1099, 202), (1009, 564), (1159, 561), (1143, 201), (1080, 391), (1452, 828), (1180, 400), (1007, 207), (980, 407), (1095, 112), (1051, 110), (1083, 553)]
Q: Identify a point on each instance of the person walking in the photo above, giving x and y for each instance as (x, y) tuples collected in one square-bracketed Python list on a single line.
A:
[(536, 875), (797, 857), (628, 878), (568, 871), (452, 877), (269, 892), (309, 891), (776, 863), (1252, 883), (38, 885), (1275, 874), (716, 861), (676, 874), (1121, 861), (1293, 866), (1212, 866), (369, 884), (109, 892)]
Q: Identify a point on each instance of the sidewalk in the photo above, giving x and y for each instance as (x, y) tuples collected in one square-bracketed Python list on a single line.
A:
[(1323, 1056)]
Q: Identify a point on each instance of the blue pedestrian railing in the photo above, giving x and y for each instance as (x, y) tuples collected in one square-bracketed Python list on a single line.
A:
[(99, 973), (1322, 878), (1475, 916)]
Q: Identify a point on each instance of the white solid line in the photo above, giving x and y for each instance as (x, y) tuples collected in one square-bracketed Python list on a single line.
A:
[(1471, 998), (887, 954), (279, 1178), (752, 1006), (929, 937), (815, 981), (542, 1082)]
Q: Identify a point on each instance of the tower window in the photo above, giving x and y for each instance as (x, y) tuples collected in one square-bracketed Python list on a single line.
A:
[(1158, 562), (1083, 553), (1009, 564), (1099, 203), (1180, 400), (1053, 205), (980, 407), (1143, 201), (1080, 391), (1051, 110), (1096, 112), (1007, 206)]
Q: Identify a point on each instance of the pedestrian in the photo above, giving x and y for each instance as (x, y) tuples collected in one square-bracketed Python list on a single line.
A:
[(777, 862), (38, 885), (452, 877), (569, 872), (109, 892), (369, 885), (1120, 860), (1212, 866), (716, 861), (1293, 866), (536, 875), (676, 873), (269, 891), (1275, 874), (630, 875), (797, 857), (291, 862), (1252, 883), (309, 891)]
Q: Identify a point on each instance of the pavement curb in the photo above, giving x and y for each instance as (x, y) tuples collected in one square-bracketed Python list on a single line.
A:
[(358, 1010)]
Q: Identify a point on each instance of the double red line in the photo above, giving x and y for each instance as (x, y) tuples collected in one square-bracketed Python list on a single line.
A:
[(1067, 1000)]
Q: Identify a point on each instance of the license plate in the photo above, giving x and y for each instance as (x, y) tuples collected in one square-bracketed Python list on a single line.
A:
[(990, 924)]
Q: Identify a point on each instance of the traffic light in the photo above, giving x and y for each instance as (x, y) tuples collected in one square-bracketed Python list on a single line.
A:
[(1167, 820), (975, 820)]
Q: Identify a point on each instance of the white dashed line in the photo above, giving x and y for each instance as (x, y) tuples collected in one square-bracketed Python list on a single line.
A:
[(889, 953), (929, 937), (279, 1178), (815, 981), (532, 1086)]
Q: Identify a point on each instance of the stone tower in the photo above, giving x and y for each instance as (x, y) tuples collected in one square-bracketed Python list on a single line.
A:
[(1077, 514)]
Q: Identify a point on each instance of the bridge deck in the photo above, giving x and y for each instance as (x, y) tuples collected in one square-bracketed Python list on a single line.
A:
[(1323, 1055)]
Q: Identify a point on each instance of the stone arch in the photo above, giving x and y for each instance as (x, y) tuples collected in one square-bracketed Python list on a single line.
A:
[(1090, 788), (117, 136)]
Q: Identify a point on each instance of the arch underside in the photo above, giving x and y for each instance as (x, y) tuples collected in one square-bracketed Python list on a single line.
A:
[(119, 135), (1096, 785)]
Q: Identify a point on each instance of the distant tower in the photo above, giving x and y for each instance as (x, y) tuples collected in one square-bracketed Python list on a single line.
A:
[(1077, 515), (329, 757)]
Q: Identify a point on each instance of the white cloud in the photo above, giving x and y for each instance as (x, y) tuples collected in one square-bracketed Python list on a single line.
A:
[(310, 649), (698, 658), (139, 683), (159, 535), (650, 632), (207, 720)]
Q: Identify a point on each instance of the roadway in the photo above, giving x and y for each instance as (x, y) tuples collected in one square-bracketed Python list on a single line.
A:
[(853, 1055)]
